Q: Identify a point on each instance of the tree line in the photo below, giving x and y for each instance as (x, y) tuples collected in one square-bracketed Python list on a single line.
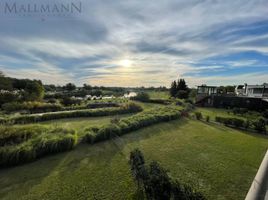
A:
[(12, 89)]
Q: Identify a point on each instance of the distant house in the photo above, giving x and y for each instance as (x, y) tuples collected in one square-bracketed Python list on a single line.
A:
[(254, 97), (205, 93), (207, 90), (257, 91), (254, 91)]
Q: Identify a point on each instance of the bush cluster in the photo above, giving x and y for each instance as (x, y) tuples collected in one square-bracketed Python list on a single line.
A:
[(17, 135), (198, 115), (141, 96), (160, 101), (123, 109), (240, 111), (236, 122), (133, 123), (31, 107), (48, 141), (102, 105), (258, 124)]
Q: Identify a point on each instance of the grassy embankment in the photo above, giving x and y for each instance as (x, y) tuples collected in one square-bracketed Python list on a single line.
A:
[(219, 161)]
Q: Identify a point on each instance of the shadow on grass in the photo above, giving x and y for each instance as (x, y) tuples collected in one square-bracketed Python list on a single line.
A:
[(20, 180)]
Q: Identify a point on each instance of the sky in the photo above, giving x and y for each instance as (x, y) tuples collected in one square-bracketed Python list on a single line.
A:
[(138, 42)]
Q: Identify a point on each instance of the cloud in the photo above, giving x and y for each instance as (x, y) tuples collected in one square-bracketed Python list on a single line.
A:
[(201, 40)]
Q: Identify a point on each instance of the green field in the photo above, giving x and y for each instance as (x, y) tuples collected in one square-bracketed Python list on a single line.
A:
[(213, 112), (218, 161), (158, 94), (80, 123)]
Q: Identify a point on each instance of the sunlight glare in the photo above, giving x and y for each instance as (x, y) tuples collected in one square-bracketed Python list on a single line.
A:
[(126, 63)]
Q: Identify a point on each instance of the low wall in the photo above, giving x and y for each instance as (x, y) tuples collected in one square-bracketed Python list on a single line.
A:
[(259, 186)]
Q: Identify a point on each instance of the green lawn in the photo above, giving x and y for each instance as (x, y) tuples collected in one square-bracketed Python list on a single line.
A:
[(213, 112), (81, 123), (219, 161), (159, 94)]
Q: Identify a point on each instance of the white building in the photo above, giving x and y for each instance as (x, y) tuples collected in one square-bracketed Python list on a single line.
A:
[(257, 91)]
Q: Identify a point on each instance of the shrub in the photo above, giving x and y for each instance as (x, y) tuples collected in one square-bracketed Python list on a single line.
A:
[(247, 124), (189, 107), (115, 120), (259, 125), (236, 122), (48, 141), (68, 101), (240, 110), (141, 96), (133, 123), (102, 105), (160, 101), (179, 103), (198, 115), (265, 114), (17, 135), (189, 101), (207, 118), (123, 109), (182, 94), (31, 107)]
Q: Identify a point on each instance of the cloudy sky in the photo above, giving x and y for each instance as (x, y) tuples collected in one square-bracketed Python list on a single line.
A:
[(139, 42)]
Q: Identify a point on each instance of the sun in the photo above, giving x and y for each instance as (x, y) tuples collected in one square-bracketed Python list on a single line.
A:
[(125, 63)]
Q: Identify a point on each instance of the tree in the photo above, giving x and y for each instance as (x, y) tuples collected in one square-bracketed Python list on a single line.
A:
[(179, 89), (193, 93), (87, 87), (5, 83), (34, 91), (70, 86), (50, 87), (173, 89), (181, 85)]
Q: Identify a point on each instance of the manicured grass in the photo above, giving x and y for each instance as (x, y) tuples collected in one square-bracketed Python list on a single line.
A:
[(219, 161), (213, 112), (158, 94), (81, 123)]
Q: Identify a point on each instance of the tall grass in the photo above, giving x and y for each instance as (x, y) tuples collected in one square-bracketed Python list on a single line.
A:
[(132, 123), (123, 109), (47, 141)]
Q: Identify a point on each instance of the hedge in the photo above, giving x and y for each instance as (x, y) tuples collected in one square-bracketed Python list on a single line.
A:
[(31, 107), (132, 123), (102, 105), (258, 124), (123, 109), (48, 142), (17, 135), (236, 122)]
